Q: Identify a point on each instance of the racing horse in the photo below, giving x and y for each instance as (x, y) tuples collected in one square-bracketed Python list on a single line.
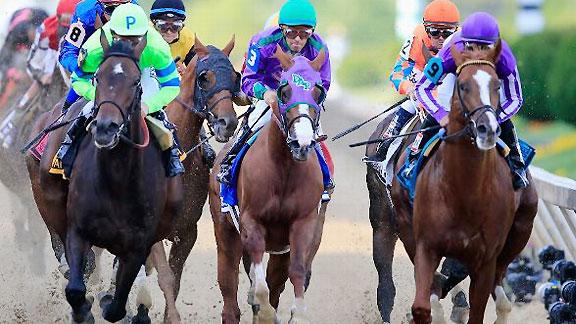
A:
[(208, 86), (477, 218), (275, 211), (119, 197)]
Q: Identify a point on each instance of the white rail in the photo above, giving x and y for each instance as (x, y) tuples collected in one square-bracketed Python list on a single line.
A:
[(555, 223)]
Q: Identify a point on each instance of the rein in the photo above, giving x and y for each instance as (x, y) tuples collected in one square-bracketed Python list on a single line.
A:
[(470, 128)]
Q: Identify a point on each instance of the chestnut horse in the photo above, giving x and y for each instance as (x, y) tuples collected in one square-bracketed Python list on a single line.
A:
[(208, 86), (279, 190), (465, 207)]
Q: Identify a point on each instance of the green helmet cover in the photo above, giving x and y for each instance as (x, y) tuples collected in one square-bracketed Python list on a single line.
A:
[(296, 13), (129, 20)]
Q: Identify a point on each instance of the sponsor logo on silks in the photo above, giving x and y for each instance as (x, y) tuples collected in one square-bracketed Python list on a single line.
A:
[(300, 81), (130, 20), (253, 58)]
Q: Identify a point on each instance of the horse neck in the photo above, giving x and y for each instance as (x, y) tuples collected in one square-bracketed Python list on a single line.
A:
[(463, 164), (189, 123), (279, 151)]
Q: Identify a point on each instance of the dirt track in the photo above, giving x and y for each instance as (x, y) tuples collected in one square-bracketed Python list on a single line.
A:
[(343, 282)]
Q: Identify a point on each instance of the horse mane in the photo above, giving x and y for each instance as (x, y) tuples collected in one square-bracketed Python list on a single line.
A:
[(120, 48)]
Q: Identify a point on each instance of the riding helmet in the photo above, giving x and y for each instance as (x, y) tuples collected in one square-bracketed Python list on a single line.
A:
[(296, 13), (480, 27), (168, 8)]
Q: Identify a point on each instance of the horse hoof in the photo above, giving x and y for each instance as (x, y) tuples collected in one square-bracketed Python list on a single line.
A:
[(460, 309), (113, 315), (105, 299), (88, 320), (142, 316)]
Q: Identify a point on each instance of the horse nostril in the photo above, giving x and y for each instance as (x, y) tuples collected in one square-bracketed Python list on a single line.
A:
[(482, 129)]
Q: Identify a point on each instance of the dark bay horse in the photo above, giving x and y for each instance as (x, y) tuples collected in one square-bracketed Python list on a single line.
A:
[(465, 207), (119, 197), (279, 191), (208, 86)]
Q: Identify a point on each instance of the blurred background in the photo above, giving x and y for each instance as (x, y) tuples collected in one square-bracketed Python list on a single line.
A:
[(364, 37)]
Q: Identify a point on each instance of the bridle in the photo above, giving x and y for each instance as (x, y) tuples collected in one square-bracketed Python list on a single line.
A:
[(467, 114), (134, 107)]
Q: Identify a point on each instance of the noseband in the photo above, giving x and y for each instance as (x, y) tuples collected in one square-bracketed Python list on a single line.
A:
[(470, 128)]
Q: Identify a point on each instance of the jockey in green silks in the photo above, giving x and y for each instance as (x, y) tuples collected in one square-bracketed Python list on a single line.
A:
[(160, 80)]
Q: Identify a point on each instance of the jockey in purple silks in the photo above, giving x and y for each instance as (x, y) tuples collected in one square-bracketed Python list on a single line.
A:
[(480, 31), (261, 73)]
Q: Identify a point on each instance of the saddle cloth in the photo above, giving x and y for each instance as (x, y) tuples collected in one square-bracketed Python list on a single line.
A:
[(408, 173)]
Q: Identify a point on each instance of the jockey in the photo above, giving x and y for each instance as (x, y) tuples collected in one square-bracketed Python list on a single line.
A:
[(20, 35), (129, 22), (42, 59), (89, 16), (261, 73), (168, 18), (440, 20), (480, 31)]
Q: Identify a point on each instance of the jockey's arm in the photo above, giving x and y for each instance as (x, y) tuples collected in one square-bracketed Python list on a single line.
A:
[(510, 96), (71, 45), (252, 75), (431, 76), (169, 81), (82, 84), (401, 74), (325, 71)]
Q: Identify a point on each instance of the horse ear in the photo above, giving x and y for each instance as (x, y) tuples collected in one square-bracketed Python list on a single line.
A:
[(201, 50), (458, 58), (495, 52), (426, 52), (286, 60), (141, 46), (228, 49), (319, 60), (104, 41)]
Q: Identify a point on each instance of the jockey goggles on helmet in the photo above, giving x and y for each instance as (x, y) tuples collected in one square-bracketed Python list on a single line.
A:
[(164, 25), (110, 6), (291, 33), (437, 32)]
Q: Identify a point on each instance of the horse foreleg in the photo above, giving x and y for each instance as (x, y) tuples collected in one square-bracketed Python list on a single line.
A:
[(253, 239), (128, 268), (276, 276), (302, 236), (181, 248), (76, 248), (481, 285), (229, 248), (166, 282), (383, 242), (425, 263)]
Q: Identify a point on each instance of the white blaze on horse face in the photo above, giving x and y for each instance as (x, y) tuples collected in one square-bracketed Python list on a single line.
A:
[(303, 127), (483, 79), (118, 69)]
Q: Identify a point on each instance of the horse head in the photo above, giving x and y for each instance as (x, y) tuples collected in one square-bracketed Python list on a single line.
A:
[(215, 82), (300, 98), (118, 90), (478, 94)]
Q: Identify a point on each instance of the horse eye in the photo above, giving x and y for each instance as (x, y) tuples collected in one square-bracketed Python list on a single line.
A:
[(463, 87)]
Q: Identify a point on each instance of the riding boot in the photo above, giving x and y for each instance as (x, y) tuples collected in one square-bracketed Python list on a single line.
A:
[(174, 155), (515, 160), (64, 158), (422, 138), (394, 128), (224, 175), (208, 153)]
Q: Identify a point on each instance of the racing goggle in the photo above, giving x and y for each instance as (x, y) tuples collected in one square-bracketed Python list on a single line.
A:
[(165, 26)]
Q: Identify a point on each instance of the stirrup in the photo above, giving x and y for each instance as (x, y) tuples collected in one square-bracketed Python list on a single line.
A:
[(326, 197)]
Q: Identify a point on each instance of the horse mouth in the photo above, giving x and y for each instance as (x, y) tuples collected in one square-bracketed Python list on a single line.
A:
[(300, 153), (103, 144), (486, 144)]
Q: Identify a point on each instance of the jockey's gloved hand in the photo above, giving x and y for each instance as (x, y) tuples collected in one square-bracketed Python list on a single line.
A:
[(270, 97)]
